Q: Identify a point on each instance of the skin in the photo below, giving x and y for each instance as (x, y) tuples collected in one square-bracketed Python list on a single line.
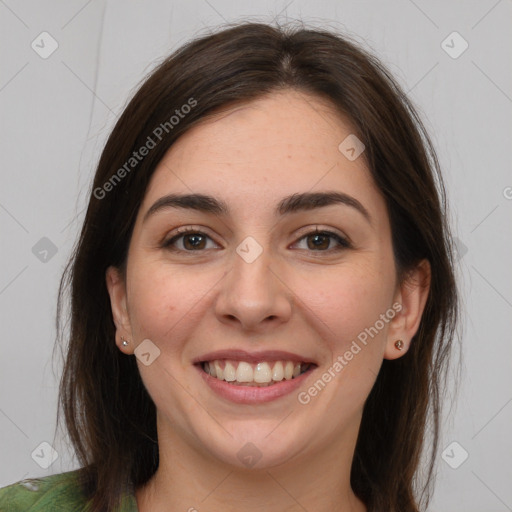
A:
[(293, 297)]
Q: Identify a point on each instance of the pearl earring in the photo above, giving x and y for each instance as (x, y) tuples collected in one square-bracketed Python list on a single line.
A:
[(399, 344)]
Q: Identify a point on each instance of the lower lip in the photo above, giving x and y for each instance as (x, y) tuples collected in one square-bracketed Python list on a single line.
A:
[(253, 394)]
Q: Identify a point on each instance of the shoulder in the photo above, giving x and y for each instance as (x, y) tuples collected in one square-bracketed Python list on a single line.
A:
[(57, 493)]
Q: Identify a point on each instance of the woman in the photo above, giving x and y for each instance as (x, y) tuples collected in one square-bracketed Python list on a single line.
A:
[(263, 297)]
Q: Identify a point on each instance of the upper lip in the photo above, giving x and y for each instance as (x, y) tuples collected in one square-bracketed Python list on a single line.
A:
[(252, 357)]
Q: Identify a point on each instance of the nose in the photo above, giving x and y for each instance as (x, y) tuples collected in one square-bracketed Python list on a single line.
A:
[(254, 296)]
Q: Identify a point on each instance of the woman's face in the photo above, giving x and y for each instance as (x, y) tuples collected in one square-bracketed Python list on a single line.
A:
[(254, 289)]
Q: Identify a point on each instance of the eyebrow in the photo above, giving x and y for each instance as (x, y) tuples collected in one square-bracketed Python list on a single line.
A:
[(288, 205)]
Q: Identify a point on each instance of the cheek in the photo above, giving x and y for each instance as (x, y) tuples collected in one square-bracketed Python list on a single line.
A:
[(165, 301), (346, 303), (153, 304), (348, 300)]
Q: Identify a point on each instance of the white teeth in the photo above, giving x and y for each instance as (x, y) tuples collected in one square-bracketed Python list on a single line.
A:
[(213, 371), (263, 373), (244, 372), (278, 372), (229, 372), (218, 370), (288, 370)]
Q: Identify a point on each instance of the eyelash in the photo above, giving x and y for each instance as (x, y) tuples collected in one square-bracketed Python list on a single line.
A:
[(343, 243)]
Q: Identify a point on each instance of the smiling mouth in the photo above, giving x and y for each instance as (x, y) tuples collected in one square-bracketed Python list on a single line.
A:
[(263, 374)]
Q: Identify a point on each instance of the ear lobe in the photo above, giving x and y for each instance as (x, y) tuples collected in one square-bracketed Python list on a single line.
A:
[(412, 295), (117, 291)]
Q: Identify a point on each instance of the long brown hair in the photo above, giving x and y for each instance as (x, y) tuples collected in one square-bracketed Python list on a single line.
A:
[(110, 418)]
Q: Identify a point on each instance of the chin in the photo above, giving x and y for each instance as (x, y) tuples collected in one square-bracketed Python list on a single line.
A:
[(255, 447)]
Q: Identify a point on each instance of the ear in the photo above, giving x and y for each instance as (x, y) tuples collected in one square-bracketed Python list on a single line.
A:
[(412, 295), (117, 290)]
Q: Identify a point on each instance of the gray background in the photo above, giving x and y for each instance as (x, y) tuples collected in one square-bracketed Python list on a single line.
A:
[(57, 112)]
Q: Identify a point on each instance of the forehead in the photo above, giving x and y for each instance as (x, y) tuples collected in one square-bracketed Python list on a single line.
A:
[(260, 151)]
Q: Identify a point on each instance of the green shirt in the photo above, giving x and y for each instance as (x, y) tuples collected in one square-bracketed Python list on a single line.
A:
[(54, 493)]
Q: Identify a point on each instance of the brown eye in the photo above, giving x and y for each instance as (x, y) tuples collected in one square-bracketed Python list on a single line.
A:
[(191, 241), (320, 241), (195, 241)]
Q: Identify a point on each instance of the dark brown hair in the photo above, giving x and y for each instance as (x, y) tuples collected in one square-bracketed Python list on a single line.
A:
[(110, 418)]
